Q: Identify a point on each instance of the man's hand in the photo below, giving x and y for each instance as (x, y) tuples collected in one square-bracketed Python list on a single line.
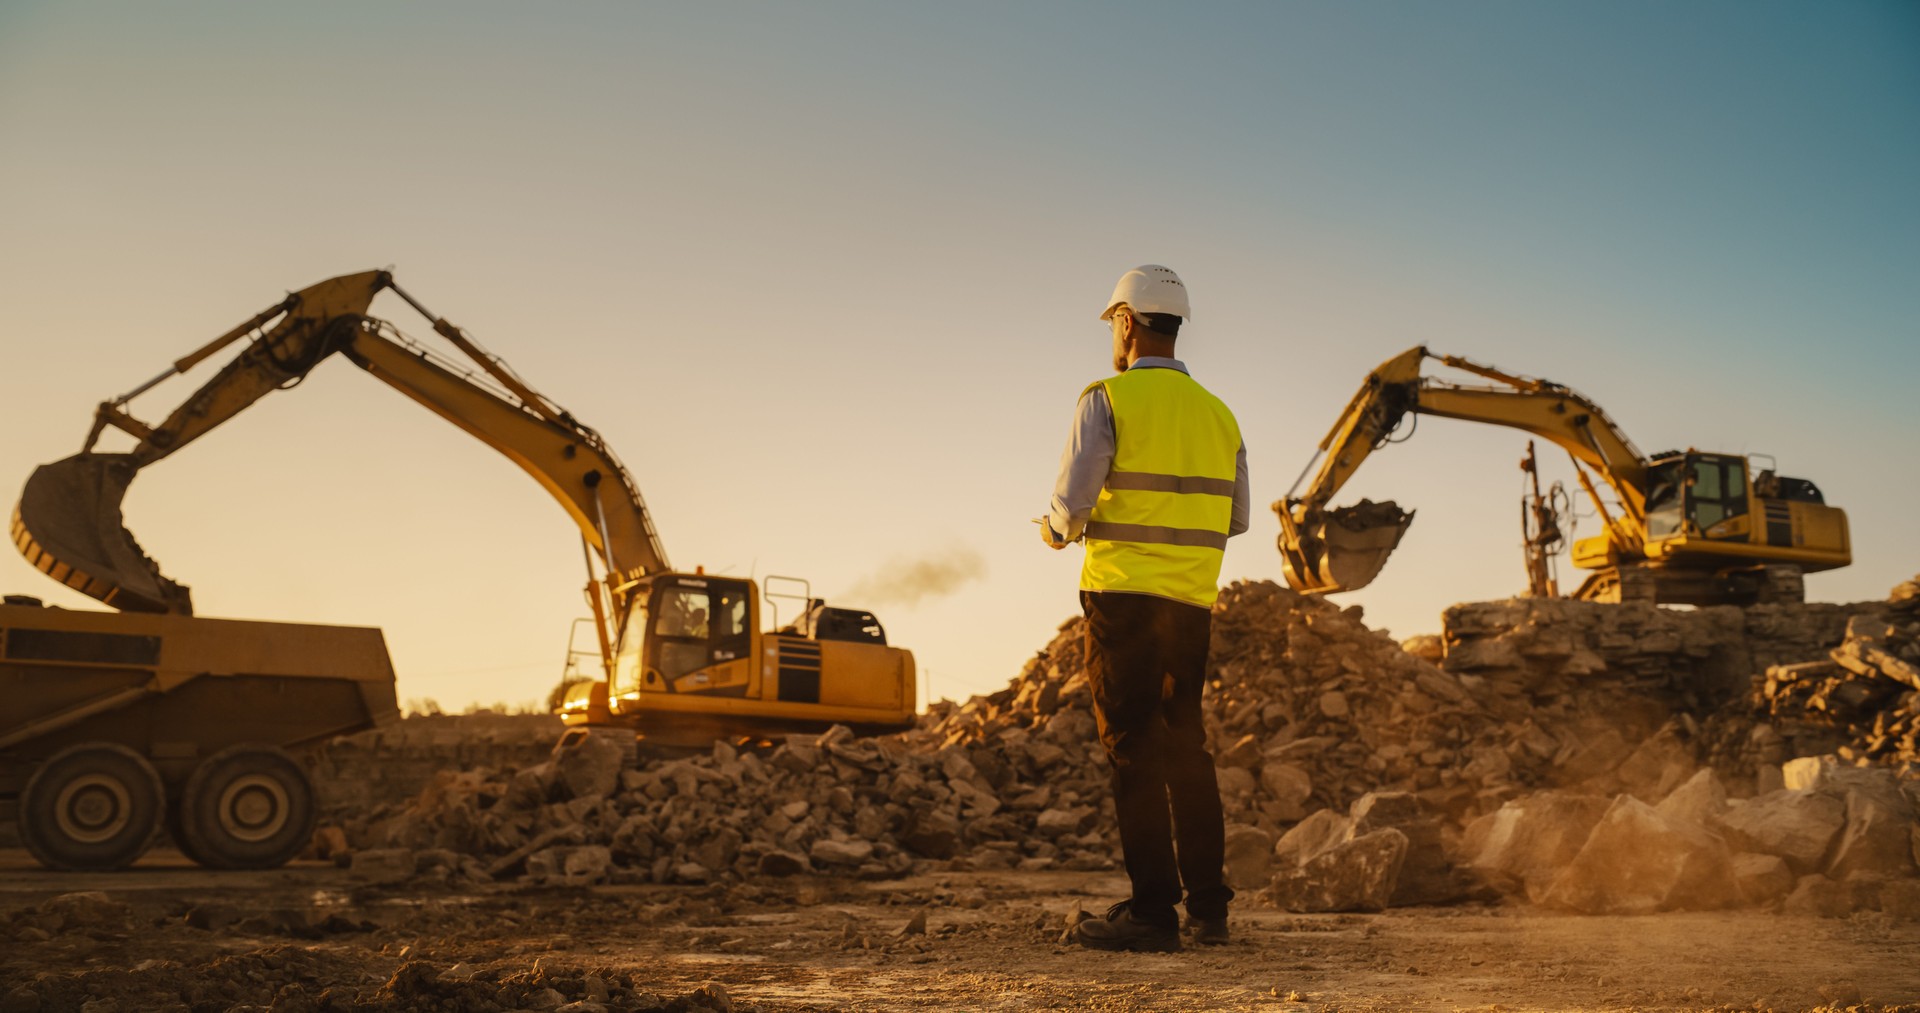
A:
[(1047, 534)]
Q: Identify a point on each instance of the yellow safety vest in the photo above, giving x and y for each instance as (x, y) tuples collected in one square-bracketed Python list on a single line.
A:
[(1160, 525)]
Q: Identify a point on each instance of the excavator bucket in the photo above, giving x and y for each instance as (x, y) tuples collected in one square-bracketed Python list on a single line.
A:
[(1342, 549), (68, 525)]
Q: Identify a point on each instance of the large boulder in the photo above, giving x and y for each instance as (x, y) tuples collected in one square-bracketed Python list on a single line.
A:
[(1311, 836), (1877, 840), (1829, 776), (1799, 826), (1356, 874), (1637, 861), (1249, 857), (1523, 846), (932, 833), (1288, 786), (1819, 897), (1762, 879), (1700, 801), (1426, 877), (589, 764)]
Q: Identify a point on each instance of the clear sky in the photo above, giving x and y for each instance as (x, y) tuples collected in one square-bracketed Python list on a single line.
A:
[(827, 276)]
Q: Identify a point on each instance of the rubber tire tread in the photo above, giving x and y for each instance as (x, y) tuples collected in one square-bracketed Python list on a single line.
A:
[(149, 811), (198, 825)]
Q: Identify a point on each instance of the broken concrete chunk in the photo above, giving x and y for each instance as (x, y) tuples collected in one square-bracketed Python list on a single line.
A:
[(1827, 775), (783, 863), (1426, 877), (1235, 783), (589, 764), (1055, 822), (1249, 857), (1637, 861), (1699, 801), (1877, 840), (1524, 845), (587, 864), (1799, 826), (1817, 896), (1353, 875), (1310, 838), (1761, 879), (843, 853), (1288, 786)]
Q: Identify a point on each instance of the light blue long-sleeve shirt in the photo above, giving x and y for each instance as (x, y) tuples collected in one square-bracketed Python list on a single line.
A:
[(1088, 460)]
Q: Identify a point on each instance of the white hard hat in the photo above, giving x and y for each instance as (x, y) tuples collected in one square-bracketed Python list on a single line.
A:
[(1151, 288)]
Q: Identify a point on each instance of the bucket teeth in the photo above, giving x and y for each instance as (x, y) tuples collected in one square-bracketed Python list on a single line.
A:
[(68, 525), (1344, 549)]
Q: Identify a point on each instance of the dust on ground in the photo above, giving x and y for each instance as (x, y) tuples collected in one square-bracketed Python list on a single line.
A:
[(171, 936)]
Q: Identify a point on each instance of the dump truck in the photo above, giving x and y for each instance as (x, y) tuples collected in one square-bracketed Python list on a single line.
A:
[(1683, 527), (115, 725), (683, 656)]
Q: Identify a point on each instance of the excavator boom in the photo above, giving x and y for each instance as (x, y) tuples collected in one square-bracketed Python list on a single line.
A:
[(69, 524), (1685, 528), (1325, 550)]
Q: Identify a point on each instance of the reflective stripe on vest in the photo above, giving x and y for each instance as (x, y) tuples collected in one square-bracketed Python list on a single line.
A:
[(1160, 525)]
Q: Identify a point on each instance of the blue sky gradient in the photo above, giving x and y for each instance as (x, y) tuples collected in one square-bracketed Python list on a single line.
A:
[(827, 275)]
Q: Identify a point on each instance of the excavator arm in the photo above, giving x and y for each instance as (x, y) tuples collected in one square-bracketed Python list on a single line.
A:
[(1325, 549), (68, 523)]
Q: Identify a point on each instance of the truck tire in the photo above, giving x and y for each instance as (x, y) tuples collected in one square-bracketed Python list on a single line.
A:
[(245, 807), (91, 807)]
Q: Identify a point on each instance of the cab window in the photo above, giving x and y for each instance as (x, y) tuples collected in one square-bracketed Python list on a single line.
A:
[(1664, 500), (731, 635), (1717, 490), (680, 612), (1707, 508), (681, 626), (695, 627)]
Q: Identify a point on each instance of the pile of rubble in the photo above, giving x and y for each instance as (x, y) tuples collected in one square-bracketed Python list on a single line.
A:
[(1333, 742), (1867, 689), (1836, 839), (1310, 709)]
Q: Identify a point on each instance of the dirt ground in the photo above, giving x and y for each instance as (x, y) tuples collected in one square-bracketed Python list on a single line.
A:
[(308, 937)]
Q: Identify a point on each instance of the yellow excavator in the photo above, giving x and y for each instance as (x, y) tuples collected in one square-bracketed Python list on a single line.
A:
[(1683, 528), (683, 657)]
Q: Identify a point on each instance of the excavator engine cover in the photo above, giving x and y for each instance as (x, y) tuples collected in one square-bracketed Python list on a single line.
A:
[(1346, 548), (69, 527)]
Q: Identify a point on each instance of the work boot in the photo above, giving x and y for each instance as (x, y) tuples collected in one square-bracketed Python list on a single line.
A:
[(1120, 930), (1208, 931)]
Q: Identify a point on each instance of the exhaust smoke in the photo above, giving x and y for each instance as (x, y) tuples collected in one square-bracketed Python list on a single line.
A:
[(910, 581)]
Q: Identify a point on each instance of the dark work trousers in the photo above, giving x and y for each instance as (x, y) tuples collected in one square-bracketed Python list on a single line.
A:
[(1147, 662)]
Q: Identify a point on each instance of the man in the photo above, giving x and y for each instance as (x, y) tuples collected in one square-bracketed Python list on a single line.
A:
[(1154, 479)]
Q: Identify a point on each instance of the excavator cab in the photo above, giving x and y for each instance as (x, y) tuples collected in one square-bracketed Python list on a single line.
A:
[(1699, 495), (695, 663)]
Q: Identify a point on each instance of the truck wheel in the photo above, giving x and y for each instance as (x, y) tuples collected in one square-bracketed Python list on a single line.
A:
[(91, 807), (247, 807)]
